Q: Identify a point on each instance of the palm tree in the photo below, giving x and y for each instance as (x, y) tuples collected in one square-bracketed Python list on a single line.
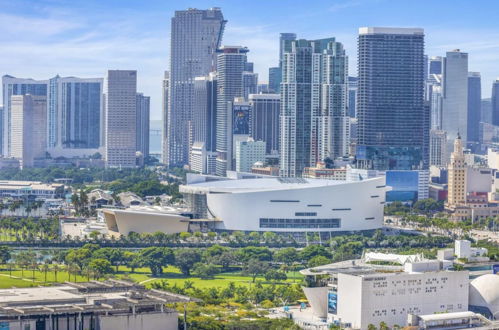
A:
[(55, 268), (45, 269)]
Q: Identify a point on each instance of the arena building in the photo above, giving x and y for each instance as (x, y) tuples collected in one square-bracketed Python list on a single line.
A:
[(293, 205)]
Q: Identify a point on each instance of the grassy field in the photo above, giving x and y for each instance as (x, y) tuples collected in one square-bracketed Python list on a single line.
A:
[(141, 275)]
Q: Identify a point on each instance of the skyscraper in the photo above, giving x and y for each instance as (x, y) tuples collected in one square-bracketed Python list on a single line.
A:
[(455, 96), (75, 113), (29, 128), (17, 86), (392, 119), (264, 120), (438, 146), (248, 153), (195, 37), (274, 79), (250, 83), (314, 94), (121, 114), (142, 124), (474, 106), (352, 95), (495, 102), (435, 65), (164, 108), (230, 66)]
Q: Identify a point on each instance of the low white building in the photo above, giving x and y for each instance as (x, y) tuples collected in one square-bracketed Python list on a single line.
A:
[(357, 293)]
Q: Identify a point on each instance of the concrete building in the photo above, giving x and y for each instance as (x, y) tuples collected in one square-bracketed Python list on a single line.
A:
[(356, 293), (121, 114), (230, 66), (314, 96), (142, 124), (393, 121), (16, 86), (438, 148), (264, 120), (28, 130), (113, 304), (195, 37), (321, 172), (474, 106), (248, 153), (290, 205), (31, 190), (455, 96), (484, 295), (457, 176)]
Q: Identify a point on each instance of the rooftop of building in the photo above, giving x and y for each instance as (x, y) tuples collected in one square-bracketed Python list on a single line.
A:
[(390, 30), (263, 184), (9, 184), (148, 209), (109, 295)]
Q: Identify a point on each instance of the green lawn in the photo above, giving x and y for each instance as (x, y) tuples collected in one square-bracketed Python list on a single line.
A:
[(141, 275)]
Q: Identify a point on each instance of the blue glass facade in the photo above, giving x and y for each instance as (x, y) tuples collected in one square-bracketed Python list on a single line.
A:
[(404, 185)]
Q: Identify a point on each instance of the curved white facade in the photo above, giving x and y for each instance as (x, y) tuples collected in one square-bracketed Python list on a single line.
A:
[(294, 205)]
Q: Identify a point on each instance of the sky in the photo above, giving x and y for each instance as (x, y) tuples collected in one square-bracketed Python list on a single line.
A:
[(85, 38)]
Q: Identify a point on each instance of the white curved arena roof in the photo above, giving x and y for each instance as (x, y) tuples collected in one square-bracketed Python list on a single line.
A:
[(263, 184)]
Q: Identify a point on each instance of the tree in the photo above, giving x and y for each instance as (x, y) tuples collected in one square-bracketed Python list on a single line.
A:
[(255, 267), (226, 259), (287, 256), (115, 256), (314, 250), (205, 270), (275, 275), (5, 254), (100, 267), (318, 261), (156, 258), (254, 252), (383, 326), (185, 260)]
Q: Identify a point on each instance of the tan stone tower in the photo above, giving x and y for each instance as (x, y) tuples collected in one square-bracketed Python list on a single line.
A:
[(457, 176)]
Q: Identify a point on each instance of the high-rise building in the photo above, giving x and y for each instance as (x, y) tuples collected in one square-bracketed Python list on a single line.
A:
[(455, 96), (352, 95), (474, 106), (284, 44), (16, 86), (435, 65), (195, 37), (75, 113), (457, 176), (164, 107), (29, 128), (142, 124), (393, 122), (434, 96), (250, 83), (495, 102), (438, 146), (314, 93), (274, 79), (121, 114), (264, 120), (230, 66), (248, 153)]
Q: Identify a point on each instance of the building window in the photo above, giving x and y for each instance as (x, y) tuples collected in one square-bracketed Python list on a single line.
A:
[(284, 201), (343, 209), (375, 196), (299, 223), (371, 218), (314, 205), (305, 214)]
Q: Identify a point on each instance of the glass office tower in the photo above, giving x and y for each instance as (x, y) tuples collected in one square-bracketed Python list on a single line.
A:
[(393, 122)]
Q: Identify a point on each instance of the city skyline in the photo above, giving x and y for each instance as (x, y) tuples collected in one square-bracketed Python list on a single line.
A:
[(57, 39)]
